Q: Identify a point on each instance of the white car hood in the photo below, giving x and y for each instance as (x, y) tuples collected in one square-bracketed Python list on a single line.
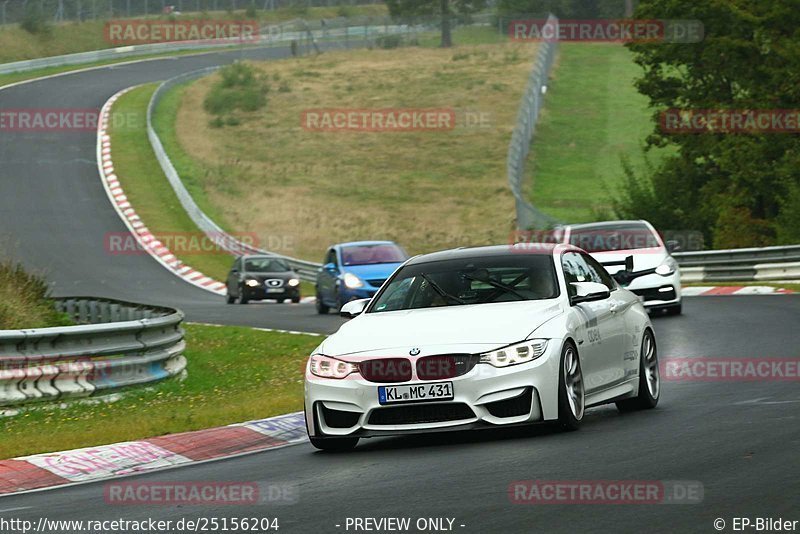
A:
[(433, 329), (643, 258)]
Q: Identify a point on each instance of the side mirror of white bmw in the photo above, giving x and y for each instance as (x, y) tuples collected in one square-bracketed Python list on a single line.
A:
[(353, 308), (588, 292)]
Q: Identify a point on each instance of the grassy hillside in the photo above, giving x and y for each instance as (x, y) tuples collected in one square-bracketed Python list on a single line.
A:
[(428, 190), (593, 116)]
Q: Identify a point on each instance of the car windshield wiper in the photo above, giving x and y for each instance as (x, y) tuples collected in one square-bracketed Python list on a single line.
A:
[(439, 290), (496, 284)]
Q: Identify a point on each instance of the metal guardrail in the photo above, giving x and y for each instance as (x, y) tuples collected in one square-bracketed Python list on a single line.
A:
[(96, 56), (744, 264), (116, 344), (528, 217), (273, 35)]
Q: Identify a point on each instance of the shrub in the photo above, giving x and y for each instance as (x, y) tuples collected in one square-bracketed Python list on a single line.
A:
[(388, 42), (24, 302), (239, 89), (344, 12), (35, 22), (737, 228)]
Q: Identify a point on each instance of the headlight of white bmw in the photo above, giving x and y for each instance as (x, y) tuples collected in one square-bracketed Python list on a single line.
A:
[(352, 281), (668, 267), (524, 352), (252, 283), (327, 367), (294, 282)]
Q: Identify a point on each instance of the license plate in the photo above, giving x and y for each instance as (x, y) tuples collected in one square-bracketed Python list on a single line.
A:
[(274, 290), (415, 393)]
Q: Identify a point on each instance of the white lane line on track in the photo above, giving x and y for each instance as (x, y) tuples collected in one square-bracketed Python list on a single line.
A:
[(17, 509)]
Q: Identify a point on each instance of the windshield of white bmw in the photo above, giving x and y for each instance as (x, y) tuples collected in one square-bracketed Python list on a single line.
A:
[(469, 281)]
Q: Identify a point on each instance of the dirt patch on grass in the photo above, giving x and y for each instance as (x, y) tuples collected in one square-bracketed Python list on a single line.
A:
[(426, 190)]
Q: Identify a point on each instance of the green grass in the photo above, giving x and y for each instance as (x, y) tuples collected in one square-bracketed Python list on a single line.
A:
[(146, 186), (464, 35), (593, 115), (164, 119), (234, 374), (426, 190), (24, 302)]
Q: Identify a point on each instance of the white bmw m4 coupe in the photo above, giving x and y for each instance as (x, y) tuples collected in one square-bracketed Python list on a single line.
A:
[(482, 337)]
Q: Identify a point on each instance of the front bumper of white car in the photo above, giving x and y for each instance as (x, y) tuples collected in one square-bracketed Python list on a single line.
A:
[(658, 291), (485, 396)]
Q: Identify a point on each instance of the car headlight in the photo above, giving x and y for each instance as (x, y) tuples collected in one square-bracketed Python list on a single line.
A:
[(515, 354), (294, 282), (252, 283), (352, 281), (327, 367), (667, 268)]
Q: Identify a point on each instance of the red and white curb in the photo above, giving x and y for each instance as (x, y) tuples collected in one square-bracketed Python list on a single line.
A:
[(714, 291), (91, 464), (119, 200)]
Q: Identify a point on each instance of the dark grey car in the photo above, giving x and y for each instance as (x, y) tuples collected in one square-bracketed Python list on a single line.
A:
[(262, 278)]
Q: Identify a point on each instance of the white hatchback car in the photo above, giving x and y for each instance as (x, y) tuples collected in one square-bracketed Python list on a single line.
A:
[(612, 242), (482, 337)]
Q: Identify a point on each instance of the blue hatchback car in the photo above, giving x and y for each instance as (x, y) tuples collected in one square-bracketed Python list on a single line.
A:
[(354, 271)]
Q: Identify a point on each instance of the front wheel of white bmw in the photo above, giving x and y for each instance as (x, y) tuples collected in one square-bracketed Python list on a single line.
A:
[(571, 395), (649, 378)]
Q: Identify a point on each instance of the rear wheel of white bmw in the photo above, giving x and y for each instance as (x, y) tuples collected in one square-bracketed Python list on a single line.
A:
[(649, 378), (571, 395), (334, 444)]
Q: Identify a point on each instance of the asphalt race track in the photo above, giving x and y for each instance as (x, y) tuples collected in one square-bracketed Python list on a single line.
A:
[(739, 439)]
